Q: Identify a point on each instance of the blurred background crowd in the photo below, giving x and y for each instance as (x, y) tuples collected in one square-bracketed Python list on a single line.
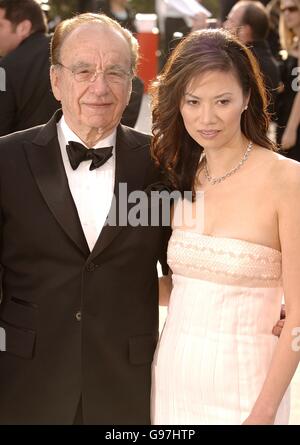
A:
[(271, 29)]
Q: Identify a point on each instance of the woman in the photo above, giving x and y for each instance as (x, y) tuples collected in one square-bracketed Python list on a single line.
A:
[(289, 103), (217, 361)]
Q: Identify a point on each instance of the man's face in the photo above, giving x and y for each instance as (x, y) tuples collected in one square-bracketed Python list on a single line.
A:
[(9, 37), (93, 107), (234, 23)]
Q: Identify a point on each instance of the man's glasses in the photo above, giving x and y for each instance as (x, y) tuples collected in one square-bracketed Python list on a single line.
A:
[(90, 74), (289, 9)]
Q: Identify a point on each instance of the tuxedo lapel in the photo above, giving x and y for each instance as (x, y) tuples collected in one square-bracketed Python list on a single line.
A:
[(44, 157), (129, 170)]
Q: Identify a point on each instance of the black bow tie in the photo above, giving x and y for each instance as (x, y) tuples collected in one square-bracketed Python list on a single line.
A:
[(78, 153)]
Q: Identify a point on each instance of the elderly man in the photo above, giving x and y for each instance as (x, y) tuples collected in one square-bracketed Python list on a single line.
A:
[(26, 98), (80, 297)]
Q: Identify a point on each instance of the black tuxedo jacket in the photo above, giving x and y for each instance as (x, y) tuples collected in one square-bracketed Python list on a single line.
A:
[(77, 322), (28, 99)]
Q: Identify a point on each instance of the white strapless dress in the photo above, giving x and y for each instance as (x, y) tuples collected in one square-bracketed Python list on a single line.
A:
[(217, 344)]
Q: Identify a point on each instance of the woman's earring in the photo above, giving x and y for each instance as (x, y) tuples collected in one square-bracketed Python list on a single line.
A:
[(246, 108)]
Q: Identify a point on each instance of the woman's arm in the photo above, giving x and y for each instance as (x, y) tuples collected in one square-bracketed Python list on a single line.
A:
[(165, 289), (287, 353), (289, 137)]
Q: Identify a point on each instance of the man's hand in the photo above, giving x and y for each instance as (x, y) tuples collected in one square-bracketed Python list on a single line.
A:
[(280, 323), (165, 289)]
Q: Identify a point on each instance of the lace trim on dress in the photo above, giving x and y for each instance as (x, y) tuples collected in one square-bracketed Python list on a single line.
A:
[(224, 260)]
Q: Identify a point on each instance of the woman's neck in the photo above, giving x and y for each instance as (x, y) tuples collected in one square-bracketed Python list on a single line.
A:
[(222, 160)]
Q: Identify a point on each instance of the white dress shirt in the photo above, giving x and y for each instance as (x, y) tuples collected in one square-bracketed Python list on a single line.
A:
[(92, 190)]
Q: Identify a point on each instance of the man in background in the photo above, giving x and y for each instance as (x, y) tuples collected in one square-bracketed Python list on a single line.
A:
[(27, 99), (249, 20)]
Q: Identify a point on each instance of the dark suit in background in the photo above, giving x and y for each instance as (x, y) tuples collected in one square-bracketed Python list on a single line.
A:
[(270, 70), (28, 99), (132, 111), (225, 7)]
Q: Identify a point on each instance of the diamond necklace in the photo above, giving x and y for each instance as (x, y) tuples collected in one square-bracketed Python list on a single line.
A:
[(231, 172)]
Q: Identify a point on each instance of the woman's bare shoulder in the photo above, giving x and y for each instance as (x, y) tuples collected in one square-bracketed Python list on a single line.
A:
[(285, 174), (280, 172), (288, 170), (279, 165)]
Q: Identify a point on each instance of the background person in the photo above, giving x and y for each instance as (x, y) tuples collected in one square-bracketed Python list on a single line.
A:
[(289, 105), (24, 46), (249, 20)]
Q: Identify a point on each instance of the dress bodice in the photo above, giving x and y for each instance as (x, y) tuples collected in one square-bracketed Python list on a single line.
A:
[(224, 260)]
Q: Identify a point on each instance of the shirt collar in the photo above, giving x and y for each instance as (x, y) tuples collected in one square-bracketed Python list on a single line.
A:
[(69, 135)]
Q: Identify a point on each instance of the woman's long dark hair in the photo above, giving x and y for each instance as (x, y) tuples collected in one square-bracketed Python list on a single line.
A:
[(173, 149)]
